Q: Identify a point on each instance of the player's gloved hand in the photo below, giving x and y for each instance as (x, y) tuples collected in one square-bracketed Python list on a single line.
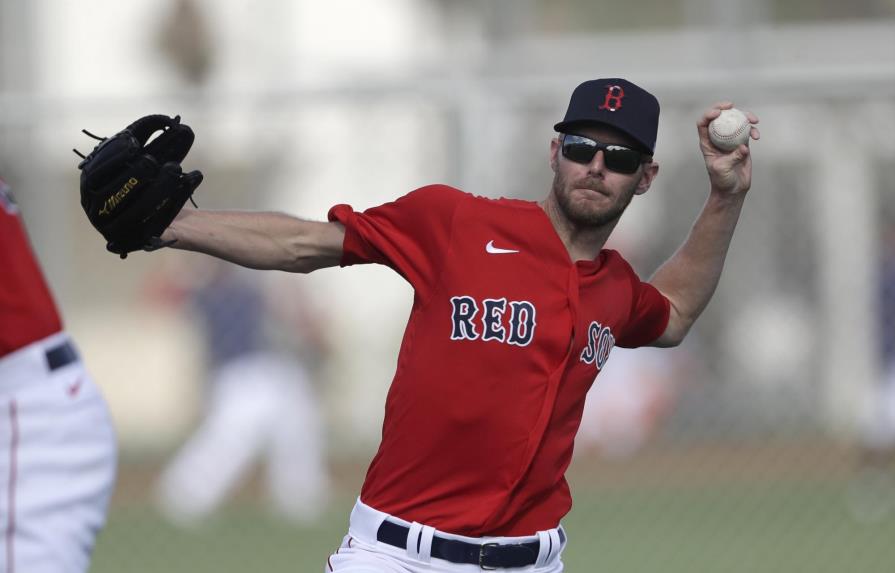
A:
[(132, 188)]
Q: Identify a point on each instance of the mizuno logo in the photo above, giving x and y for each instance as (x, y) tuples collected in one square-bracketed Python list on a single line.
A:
[(491, 249), (113, 200)]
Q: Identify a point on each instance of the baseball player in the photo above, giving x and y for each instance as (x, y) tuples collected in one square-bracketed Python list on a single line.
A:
[(516, 309), (261, 404), (57, 446), (879, 432), (871, 491)]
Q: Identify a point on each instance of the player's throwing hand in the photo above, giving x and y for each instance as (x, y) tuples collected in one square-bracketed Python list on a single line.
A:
[(730, 172)]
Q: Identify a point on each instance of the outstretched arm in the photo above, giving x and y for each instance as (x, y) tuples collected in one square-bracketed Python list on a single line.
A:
[(689, 278), (258, 240)]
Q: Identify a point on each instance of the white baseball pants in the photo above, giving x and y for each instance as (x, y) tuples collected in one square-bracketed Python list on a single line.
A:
[(57, 462), (360, 552)]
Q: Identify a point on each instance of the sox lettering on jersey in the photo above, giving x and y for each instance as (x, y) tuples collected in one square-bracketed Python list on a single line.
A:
[(519, 330), (599, 344)]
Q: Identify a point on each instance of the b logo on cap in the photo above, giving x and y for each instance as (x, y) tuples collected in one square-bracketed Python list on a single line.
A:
[(613, 101)]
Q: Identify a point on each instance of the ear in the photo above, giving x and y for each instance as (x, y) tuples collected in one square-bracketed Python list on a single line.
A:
[(650, 170), (554, 154)]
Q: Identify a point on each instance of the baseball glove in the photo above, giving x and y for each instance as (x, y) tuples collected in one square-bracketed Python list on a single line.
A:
[(132, 188)]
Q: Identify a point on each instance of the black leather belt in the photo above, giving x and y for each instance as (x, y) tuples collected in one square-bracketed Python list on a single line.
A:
[(61, 355), (485, 555)]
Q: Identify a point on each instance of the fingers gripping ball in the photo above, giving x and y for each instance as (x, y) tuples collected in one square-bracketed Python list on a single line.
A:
[(730, 129), (132, 188)]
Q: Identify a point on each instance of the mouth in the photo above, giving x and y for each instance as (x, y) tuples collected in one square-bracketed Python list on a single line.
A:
[(592, 190)]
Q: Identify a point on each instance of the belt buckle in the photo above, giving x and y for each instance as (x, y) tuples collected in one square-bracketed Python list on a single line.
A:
[(482, 556)]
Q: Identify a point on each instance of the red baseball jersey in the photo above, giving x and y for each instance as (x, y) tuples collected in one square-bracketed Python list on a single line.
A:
[(27, 310), (505, 337)]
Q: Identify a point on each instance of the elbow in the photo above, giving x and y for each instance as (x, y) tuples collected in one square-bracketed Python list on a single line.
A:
[(294, 256), (315, 248), (301, 266), (306, 264), (669, 339), (675, 332), (680, 320)]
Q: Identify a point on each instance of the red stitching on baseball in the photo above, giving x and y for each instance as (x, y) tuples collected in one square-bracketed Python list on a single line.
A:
[(732, 135)]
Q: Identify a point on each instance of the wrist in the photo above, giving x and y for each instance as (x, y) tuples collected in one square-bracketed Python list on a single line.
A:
[(170, 234), (725, 202), (723, 195), (174, 231)]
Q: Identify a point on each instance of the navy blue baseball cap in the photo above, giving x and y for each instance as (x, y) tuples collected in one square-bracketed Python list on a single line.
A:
[(617, 103)]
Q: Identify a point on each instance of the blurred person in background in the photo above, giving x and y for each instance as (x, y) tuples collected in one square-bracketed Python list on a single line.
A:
[(57, 444), (871, 493), (635, 393), (880, 440), (261, 402)]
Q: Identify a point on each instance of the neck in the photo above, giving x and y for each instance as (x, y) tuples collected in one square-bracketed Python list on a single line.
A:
[(583, 243)]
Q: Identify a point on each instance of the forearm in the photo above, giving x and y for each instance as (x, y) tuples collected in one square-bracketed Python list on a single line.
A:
[(258, 240), (689, 278)]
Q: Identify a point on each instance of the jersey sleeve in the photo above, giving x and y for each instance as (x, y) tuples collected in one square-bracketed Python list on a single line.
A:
[(411, 235), (650, 311)]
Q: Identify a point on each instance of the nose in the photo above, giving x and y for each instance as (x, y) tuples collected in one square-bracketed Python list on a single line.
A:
[(597, 165)]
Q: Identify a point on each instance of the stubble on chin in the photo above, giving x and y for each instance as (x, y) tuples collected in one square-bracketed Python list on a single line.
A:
[(579, 213)]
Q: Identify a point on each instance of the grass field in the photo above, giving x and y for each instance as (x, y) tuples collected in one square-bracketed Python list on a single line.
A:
[(649, 523)]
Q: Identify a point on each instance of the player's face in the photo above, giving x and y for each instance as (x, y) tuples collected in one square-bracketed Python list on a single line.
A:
[(591, 194)]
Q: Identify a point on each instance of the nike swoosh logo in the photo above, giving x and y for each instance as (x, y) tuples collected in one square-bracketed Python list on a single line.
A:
[(491, 249)]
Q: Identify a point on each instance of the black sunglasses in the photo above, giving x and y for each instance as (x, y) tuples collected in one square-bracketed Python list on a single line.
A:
[(617, 158)]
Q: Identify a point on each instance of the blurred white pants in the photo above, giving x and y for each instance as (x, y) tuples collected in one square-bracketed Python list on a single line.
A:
[(58, 458), (261, 405), (879, 418)]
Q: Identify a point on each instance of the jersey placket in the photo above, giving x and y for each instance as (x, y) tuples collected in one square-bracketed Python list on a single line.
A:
[(554, 383)]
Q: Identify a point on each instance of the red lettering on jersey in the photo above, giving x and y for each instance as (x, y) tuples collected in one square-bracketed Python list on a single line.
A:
[(613, 101)]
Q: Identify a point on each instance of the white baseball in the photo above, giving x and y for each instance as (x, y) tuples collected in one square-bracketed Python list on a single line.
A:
[(730, 129)]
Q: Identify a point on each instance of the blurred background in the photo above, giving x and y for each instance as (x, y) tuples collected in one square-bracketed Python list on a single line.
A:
[(248, 404)]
